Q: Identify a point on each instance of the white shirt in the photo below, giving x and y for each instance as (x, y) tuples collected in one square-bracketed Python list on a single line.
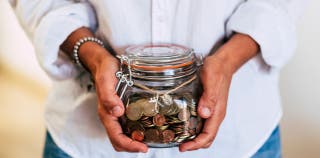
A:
[(253, 109)]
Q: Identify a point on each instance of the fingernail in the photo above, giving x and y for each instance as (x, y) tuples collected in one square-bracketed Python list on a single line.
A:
[(206, 111), (116, 110), (145, 150)]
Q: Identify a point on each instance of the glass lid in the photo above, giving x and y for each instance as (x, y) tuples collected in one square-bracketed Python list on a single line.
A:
[(158, 52), (160, 57), (161, 61)]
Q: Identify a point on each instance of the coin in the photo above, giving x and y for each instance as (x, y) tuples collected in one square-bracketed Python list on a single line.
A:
[(174, 109), (133, 112), (179, 128), (159, 120), (173, 120), (184, 115), (164, 127), (166, 99), (180, 102), (167, 136), (137, 135), (164, 109), (146, 121), (199, 126), (192, 137), (133, 125), (193, 110), (193, 122), (152, 135), (149, 108)]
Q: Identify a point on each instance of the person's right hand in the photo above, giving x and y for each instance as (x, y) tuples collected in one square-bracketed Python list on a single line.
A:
[(103, 68), (110, 106)]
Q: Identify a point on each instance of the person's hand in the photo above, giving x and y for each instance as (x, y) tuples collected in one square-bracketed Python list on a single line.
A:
[(110, 106), (103, 67), (216, 75)]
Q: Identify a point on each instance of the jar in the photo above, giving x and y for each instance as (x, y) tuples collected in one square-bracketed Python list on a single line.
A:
[(160, 89)]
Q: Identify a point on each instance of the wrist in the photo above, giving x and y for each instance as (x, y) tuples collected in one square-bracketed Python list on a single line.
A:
[(92, 54), (237, 51)]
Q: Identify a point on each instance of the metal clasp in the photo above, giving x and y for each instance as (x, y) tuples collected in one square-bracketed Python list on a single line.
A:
[(124, 78)]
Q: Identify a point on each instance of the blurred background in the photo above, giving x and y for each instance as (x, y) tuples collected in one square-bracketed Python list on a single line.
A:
[(24, 87)]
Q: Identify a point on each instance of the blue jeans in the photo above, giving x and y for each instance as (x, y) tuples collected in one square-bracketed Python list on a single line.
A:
[(270, 149)]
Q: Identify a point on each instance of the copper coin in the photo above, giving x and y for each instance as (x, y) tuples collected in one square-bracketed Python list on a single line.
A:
[(152, 135), (167, 136), (159, 120), (199, 126), (192, 131), (146, 122), (133, 125), (137, 135), (184, 115)]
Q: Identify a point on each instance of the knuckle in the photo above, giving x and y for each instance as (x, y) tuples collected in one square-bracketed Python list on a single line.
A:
[(118, 149), (207, 145), (105, 101), (211, 139), (198, 143)]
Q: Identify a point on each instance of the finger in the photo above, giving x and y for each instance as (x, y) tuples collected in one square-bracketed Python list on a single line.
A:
[(206, 136), (119, 141), (211, 125), (209, 96), (206, 105), (108, 96)]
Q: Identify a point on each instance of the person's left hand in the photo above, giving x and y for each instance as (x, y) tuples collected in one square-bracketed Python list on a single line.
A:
[(215, 77)]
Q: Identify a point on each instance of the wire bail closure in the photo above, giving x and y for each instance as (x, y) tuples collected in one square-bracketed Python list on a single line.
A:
[(123, 77)]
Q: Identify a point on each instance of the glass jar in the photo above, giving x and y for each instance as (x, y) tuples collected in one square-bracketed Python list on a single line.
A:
[(160, 90)]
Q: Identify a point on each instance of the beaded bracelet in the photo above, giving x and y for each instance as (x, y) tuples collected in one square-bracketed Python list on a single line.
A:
[(78, 45)]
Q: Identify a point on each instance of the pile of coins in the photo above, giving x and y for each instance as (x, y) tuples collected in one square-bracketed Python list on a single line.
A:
[(161, 119)]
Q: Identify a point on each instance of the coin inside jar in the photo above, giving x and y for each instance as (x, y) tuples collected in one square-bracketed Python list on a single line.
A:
[(149, 108), (152, 135), (167, 136), (193, 122), (166, 99), (137, 135), (134, 111), (184, 115), (159, 120)]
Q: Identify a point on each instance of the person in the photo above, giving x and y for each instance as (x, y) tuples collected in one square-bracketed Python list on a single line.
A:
[(244, 42)]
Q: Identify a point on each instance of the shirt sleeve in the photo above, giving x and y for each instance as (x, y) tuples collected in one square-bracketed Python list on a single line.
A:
[(271, 23), (48, 23)]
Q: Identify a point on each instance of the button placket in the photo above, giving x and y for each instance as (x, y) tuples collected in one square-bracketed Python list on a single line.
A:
[(159, 28)]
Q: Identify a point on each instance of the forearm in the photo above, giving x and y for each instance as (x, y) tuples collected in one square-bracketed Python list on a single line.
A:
[(237, 51), (90, 53)]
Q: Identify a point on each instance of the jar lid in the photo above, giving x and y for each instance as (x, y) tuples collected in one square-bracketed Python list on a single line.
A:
[(161, 61)]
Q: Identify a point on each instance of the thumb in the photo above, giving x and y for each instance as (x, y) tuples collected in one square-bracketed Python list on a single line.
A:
[(206, 105), (113, 104), (109, 99)]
